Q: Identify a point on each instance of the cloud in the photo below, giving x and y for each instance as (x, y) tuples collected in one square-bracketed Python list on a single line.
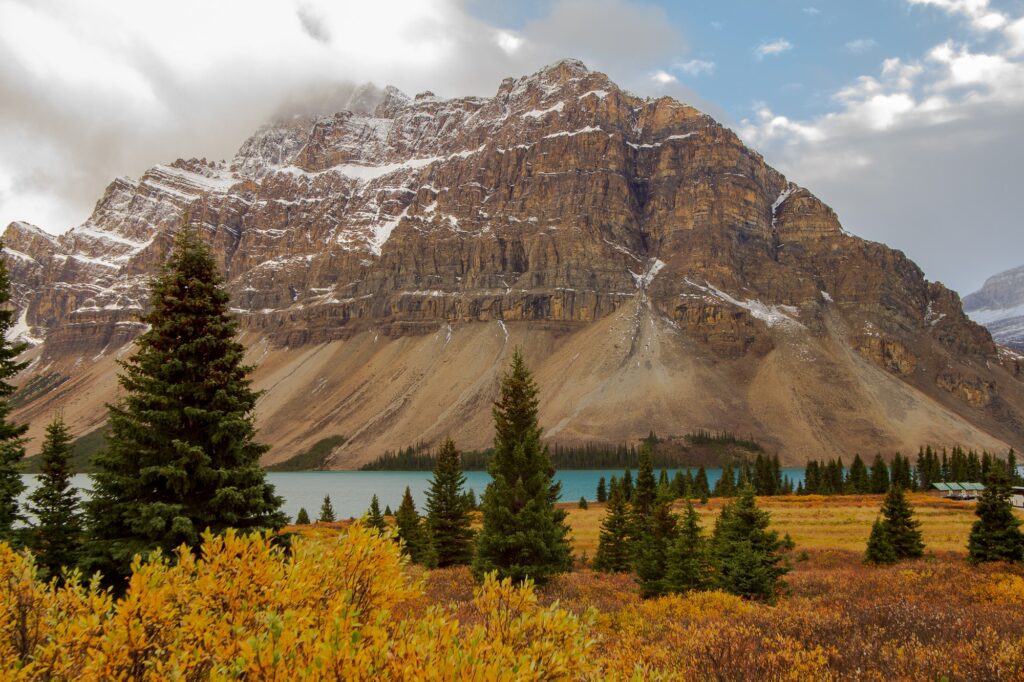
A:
[(663, 78), (978, 12), (860, 45), (94, 91), (812, 11), (696, 67), (772, 48), (922, 154)]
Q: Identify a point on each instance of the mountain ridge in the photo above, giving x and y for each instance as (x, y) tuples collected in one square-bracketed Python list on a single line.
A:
[(657, 271)]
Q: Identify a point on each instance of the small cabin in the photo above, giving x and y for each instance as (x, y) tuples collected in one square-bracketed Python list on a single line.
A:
[(958, 490), (1017, 496)]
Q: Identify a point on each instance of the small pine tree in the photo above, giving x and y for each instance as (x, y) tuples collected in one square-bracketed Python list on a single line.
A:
[(701, 488), (326, 511), (57, 536), (448, 509), (602, 492), (583, 502), (627, 485), (12, 436), (373, 518), (858, 480), (726, 484), (524, 535), (182, 455), (996, 535), (879, 549), (645, 493), (613, 545), (747, 556), (411, 531), (879, 476), (302, 518), (387, 510), (901, 526), (688, 562)]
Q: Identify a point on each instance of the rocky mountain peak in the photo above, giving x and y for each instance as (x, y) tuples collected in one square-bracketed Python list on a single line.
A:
[(658, 273)]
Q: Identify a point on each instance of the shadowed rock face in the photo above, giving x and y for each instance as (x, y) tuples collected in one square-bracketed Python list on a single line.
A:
[(693, 284)]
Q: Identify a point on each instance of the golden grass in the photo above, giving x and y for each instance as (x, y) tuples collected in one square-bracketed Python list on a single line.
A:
[(839, 522)]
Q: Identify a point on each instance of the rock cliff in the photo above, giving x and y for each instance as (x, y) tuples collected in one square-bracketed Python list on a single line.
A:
[(657, 272), (999, 305)]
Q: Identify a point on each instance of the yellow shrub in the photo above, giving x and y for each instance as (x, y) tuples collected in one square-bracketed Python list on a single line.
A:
[(246, 609)]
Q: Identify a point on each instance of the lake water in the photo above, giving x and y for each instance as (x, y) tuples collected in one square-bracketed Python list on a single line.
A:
[(351, 491)]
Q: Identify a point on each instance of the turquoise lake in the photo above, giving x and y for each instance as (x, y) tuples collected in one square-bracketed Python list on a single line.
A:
[(350, 491)]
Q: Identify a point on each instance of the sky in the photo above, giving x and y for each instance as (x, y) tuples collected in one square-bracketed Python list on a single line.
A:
[(906, 116)]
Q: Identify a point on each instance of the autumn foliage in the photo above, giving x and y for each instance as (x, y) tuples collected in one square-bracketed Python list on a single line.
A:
[(329, 608)]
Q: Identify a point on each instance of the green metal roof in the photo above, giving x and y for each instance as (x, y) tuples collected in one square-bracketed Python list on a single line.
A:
[(956, 487)]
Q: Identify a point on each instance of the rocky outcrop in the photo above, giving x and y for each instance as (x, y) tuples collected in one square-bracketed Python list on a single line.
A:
[(561, 209)]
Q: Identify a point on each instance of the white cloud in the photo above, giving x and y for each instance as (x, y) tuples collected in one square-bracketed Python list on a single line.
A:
[(696, 67), (772, 48), (813, 11), (91, 91), (663, 78), (979, 12), (923, 154), (860, 45)]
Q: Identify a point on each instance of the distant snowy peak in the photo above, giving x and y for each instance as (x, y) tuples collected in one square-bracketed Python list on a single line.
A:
[(999, 305)]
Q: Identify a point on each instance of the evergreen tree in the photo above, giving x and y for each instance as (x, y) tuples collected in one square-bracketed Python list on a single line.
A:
[(880, 549), (996, 535), (387, 511), (12, 440), (326, 511), (879, 475), (413, 532), (523, 535), (373, 518), (1012, 472), (583, 502), (302, 518), (857, 480), (726, 485), (679, 486), (613, 545), (747, 556), (57, 536), (901, 526), (627, 485), (181, 456), (645, 493), (701, 489), (602, 493), (448, 509), (688, 561), (650, 549)]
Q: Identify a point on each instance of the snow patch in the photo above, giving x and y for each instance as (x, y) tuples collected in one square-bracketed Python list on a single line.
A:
[(539, 113), (828, 297), (581, 131), (600, 94), (772, 315), (21, 331), (644, 280)]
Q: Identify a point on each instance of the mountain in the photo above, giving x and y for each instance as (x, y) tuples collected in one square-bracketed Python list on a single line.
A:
[(657, 273), (999, 305)]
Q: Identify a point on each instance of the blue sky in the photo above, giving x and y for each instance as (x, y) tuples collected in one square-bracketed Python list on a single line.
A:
[(906, 116)]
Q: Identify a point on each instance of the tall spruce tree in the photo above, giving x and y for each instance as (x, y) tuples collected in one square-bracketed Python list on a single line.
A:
[(326, 511), (996, 535), (747, 556), (701, 489), (688, 561), (12, 436), (614, 554), (602, 491), (726, 484), (523, 534), (181, 456), (645, 494), (56, 538), (448, 509), (900, 525), (857, 480), (879, 475), (651, 547), (413, 532)]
